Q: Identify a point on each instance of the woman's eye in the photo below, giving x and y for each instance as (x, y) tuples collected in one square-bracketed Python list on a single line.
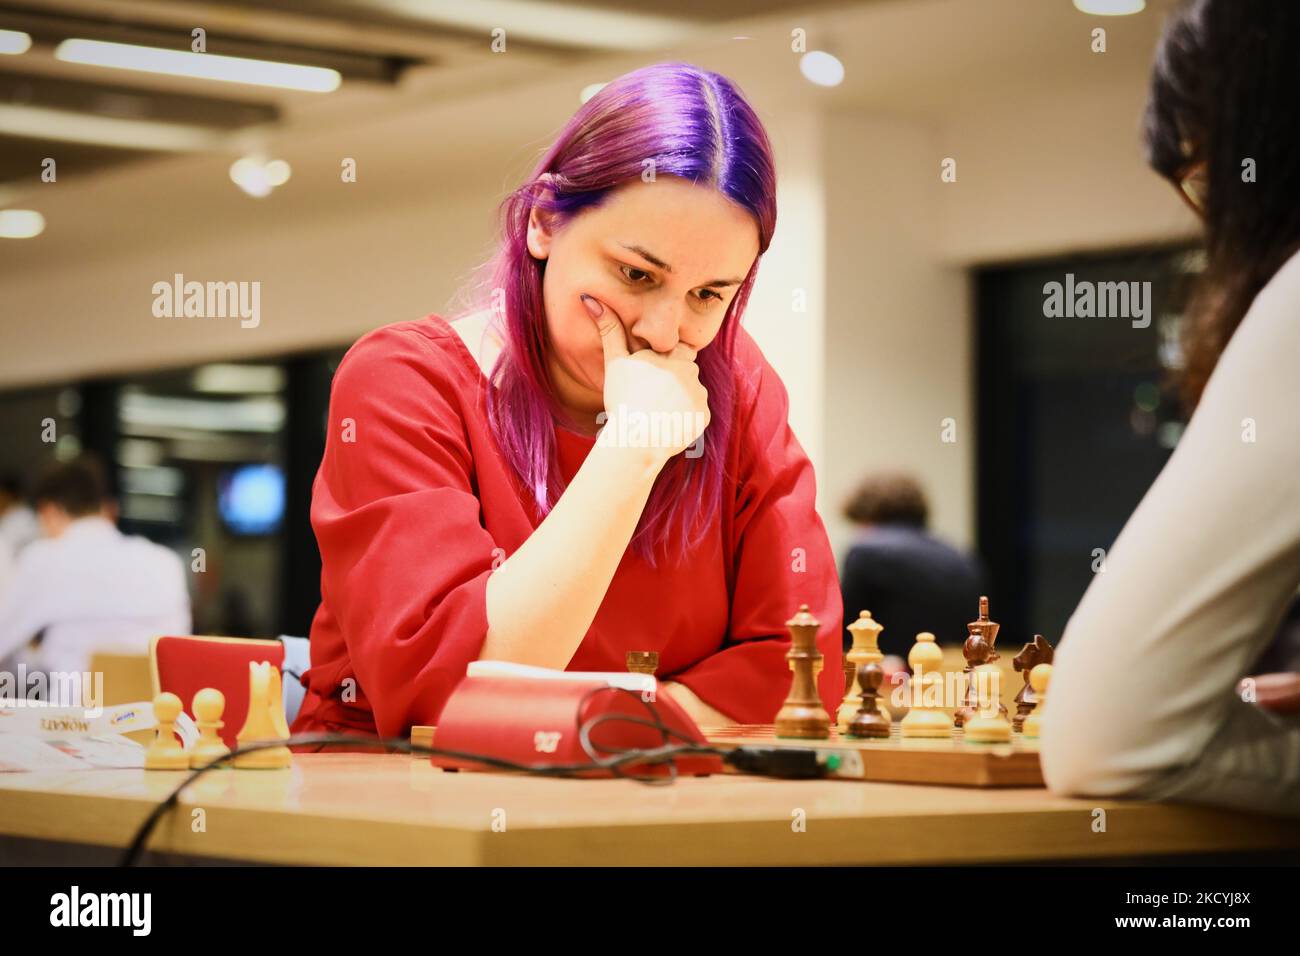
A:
[(706, 294), (628, 272)]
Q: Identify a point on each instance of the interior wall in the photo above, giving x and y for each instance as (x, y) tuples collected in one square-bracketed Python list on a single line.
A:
[(787, 312), (876, 362), (1047, 170), (898, 329), (1040, 172)]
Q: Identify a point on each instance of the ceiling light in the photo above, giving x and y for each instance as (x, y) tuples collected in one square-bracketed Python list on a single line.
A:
[(66, 126), (250, 176), (257, 177), (21, 223), (563, 24), (14, 42), (223, 378), (277, 172), (821, 68), (1110, 8), (204, 66)]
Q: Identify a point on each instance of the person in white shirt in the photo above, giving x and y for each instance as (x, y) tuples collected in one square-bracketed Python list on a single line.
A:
[(87, 587), (6, 567), (1147, 698), (18, 525)]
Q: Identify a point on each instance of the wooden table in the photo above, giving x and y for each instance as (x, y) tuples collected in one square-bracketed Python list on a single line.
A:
[(363, 809)]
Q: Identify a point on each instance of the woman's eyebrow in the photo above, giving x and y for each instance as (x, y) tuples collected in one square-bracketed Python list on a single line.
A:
[(656, 261)]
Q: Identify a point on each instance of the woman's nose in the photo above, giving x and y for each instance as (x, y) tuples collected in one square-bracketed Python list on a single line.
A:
[(658, 328)]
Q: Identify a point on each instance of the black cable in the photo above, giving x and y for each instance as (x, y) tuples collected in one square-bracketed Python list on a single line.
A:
[(665, 753), (584, 738), (787, 762)]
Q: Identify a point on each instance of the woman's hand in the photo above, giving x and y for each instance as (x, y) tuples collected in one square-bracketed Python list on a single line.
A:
[(652, 401)]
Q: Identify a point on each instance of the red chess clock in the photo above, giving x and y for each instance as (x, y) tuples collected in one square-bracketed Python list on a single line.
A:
[(537, 722)]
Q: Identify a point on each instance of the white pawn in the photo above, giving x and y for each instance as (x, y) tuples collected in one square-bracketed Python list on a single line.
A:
[(988, 725), (208, 706), (925, 720), (1039, 678), (165, 752)]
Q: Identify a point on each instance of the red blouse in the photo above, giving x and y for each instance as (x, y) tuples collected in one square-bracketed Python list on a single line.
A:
[(413, 503)]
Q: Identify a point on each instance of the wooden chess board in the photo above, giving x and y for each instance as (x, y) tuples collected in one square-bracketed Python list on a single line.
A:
[(934, 761)]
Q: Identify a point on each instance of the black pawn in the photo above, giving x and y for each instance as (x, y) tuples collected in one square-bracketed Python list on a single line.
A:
[(869, 721)]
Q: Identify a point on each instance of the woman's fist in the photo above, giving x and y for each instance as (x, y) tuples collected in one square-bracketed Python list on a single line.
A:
[(652, 401)]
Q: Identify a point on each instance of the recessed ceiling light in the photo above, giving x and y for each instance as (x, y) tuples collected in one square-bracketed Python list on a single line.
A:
[(821, 68), (258, 177), (203, 66), (21, 223), (250, 176), (14, 42), (277, 172), (1110, 8)]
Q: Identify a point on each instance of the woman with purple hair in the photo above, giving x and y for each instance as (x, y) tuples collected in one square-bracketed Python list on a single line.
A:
[(596, 461)]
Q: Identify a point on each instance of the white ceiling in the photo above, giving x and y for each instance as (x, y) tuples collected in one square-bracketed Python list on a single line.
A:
[(906, 57)]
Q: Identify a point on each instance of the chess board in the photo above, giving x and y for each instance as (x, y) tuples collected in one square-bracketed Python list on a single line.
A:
[(933, 761)]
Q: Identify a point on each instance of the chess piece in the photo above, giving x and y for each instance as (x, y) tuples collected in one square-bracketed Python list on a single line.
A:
[(987, 723), (164, 751), (265, 721), (978, 650), (1039, 678), (1030, 656), (642, 662), (865, 650), (871, 720), (924, 719), (208, 706), (802, 714)]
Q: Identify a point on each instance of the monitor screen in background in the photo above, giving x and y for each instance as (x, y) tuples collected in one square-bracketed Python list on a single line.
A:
[(250, 499)]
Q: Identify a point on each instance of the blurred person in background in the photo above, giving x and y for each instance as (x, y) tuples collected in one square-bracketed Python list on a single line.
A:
[(7, 562), (18, 525), (910, 580), (86, 587)]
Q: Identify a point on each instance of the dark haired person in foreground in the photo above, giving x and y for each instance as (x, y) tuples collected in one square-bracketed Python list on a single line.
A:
[(1144, 699)]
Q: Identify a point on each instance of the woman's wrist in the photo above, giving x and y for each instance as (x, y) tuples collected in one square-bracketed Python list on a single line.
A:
[(637, 460)]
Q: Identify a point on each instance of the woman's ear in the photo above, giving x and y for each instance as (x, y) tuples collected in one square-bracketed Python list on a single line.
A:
[(539, 233)]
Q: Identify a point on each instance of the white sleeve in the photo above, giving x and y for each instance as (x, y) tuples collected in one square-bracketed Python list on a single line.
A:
[(1142, 700), (24, 610)]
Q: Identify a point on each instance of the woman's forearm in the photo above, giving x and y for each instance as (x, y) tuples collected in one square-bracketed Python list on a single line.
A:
[(543, 598), (699, 711)]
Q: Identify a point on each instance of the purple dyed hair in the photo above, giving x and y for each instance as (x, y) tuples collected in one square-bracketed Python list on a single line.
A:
[(696, 125)]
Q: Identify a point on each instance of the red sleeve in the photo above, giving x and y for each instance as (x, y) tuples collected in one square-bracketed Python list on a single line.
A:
[(781, 558), (405, 559)]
